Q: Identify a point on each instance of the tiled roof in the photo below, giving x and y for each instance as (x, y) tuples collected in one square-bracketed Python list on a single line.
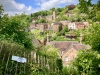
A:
[(79, 46), (66, 45)]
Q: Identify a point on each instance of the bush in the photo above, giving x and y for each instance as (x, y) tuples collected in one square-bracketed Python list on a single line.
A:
[(87, 62)]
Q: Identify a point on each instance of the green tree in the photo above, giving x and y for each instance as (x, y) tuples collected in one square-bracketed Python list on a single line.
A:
[(92, 36), (83, 5), (1, 13), (59, 65), (98, 15), (98, 5), (15, 28), (42, 20), (87, 62), (60, 28)]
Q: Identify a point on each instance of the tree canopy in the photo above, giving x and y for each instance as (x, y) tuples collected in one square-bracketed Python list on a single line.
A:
[(92, 36), (15, 28)]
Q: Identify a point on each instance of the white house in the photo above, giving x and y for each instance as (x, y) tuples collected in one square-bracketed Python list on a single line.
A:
[(71, 26)]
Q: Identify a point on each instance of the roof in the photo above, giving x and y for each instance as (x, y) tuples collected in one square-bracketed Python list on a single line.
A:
[(66, 45), (79, 23), (56, 23), (42, 24)]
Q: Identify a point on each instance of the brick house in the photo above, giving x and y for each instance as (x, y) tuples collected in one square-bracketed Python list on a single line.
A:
[(68, 49), (80, 25)]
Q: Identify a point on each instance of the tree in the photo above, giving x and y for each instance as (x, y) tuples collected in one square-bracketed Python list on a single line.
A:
[(83, 5), (98, 15), (92, 36), (98, 5), (60, 28), (42, 20), (87, 62), (59, 65), (1, 13), (89, 2), (15, 29)]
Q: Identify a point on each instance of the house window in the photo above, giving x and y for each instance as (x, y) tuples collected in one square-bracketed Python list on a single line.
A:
[(66, 58)]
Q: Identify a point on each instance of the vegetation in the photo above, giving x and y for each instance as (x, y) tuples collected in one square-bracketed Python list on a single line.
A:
[(15, 38), (87, 62), (92, 36)]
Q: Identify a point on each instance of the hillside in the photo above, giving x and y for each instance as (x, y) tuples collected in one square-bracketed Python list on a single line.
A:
[(70, 13)]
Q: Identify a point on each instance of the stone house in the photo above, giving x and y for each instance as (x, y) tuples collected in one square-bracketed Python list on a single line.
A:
[(32, 26), (42, 26), (49, 18), (55, 26), (64, 23), (68, 49), (69, 14)]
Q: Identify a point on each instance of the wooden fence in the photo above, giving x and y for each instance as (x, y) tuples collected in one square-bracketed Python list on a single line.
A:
[(36, 64)]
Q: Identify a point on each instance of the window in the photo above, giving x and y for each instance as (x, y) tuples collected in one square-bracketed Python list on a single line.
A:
[(66, 58)]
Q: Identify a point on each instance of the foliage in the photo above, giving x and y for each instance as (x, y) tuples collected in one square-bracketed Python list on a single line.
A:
[(60, 28), (59, 65), (92, 36), (98, 15), (87, 62), (15, 28), (36, 14), (69, 70), (63, 31), (7, 66), (1, 11), (51, 52), (98, 5), (59, 10), (83, 5), (42, 20)]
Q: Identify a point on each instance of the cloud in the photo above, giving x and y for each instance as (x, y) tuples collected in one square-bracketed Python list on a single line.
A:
[(55, 3), (11, 7)]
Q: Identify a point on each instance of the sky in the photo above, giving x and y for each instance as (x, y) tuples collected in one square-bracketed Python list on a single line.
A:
[(30, 6)]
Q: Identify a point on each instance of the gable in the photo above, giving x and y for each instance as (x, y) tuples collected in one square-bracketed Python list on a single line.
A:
[(70, 51)]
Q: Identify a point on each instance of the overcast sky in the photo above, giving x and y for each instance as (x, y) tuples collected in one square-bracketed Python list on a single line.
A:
[(30, 6)]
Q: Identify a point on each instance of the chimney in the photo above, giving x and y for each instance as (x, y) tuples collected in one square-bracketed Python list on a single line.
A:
[(54, 15), (48, 38), (81, 38)]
